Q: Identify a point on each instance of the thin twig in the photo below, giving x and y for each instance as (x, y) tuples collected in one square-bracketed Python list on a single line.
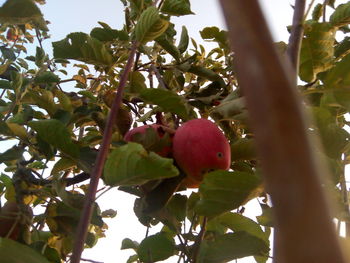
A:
[(184, 246), (72, 79), (100, 160), (199, 240), (158, 76), (324, 10), (38, 36), (309, 9), (90, 260), (296, 35)]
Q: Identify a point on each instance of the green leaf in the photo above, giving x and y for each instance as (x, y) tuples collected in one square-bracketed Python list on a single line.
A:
[(223, 191), (127, 243), (136, 7), (108, 34), (81, 46), (317, 12), (62, 164), (317, 50), (322, 116), (266, 218), (230, 108), (55, 133), (243, 149), (150, 25), (14, 153), (334, 139), (206, 73), (131, 164), (23, 116), (50, 253), (184, 40), (43, 98), (176, 7), (39, 56), (168, 101), (47, 77), (341, 15), (5, 84), (177, 206), (237, 222), (231, 246), (168, 45), (136, 82), (8, 53), (215, 34), (14, 252), (338, 76), (156, 248), (20, 12)]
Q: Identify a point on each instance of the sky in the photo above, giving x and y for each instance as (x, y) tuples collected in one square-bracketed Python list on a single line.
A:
[(68, 16)]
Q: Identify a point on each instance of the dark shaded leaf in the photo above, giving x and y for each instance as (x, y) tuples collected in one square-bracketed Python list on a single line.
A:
[(168, 101), (14, 153), (184, 40), (243, 149), (46, 78), (231, 246), (56, 134), (156, 248), (176, 7), (334, 139), (215, 34), (20, 12), (81, 46), (8, 53), (341, 15), (127, 243), (343, 48), (168, 45), (39, 56)]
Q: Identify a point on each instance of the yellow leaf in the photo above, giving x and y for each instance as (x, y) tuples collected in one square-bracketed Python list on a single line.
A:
[(18, 130)]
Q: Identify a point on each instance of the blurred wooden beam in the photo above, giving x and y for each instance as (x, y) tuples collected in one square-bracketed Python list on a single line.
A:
[(292, 177)]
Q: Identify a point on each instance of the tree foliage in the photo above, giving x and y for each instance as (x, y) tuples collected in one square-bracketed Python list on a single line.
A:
[(56, 133)]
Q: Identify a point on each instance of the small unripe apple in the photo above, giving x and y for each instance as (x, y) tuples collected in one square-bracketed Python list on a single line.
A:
[(199, 146), (158, 139)]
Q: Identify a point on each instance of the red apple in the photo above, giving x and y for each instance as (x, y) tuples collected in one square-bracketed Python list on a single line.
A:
[(161, 147), (9, 220), (199, 146)]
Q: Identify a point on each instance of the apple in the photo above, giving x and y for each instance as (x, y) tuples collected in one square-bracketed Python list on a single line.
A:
[(9, 220), (199, 146), (161, 143)]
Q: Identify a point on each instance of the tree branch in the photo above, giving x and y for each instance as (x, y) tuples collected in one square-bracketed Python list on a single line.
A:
[(296, 35), (100, 160), (291, 171)]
